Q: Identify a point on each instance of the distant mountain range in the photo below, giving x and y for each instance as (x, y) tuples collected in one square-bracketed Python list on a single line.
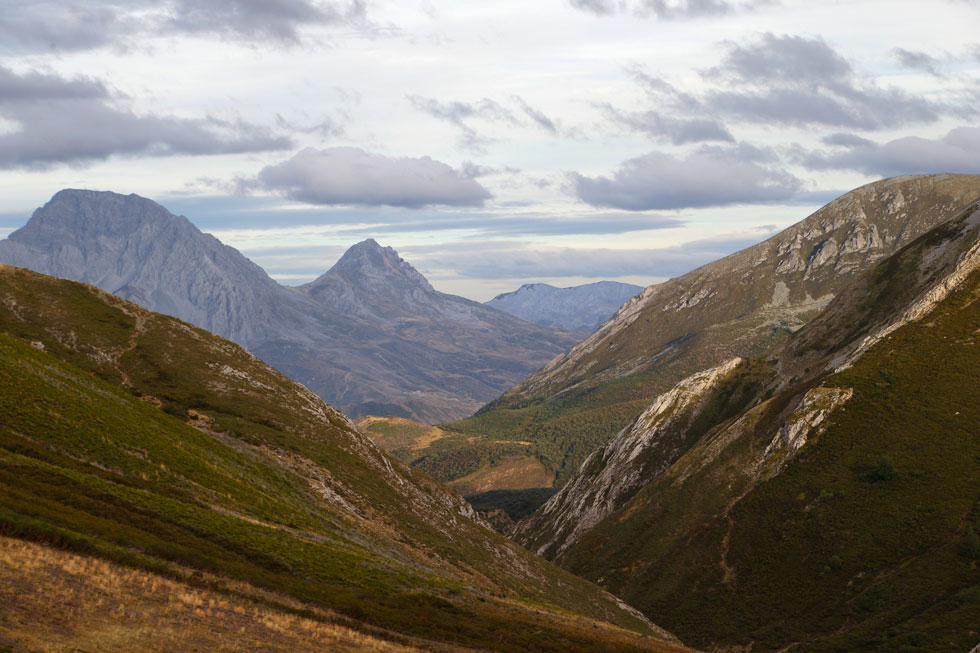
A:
[(820, 495), (371, 335), (578, 308)]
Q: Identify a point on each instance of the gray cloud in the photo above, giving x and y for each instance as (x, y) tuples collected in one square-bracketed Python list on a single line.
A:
[(78, 121), (957, 151), (711, 176), (536, 116), (841, 139), (58, 25), (458, 113), (677, 131), (918, 61), (274, 20), (669, 9), (781, 80), (783, 59), (802, 81), (597, 7), (66, 25), (349, 175)]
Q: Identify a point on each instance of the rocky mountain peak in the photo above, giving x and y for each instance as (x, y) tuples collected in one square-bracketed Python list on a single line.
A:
[(367, 260), (82, 214)]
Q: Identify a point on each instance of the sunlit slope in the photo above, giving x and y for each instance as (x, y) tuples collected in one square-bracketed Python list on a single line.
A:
[(154, 444), (740, 305)]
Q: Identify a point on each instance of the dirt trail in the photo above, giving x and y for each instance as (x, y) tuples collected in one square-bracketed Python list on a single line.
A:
[(138, 330)]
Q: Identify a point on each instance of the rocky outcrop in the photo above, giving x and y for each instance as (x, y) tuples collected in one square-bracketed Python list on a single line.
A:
[(610, 476), (578, 308)]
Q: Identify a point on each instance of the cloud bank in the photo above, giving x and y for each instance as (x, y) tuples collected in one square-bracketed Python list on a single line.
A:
[(78, 121), (958, 151), (349, 175), (711, 176), (65, 25)]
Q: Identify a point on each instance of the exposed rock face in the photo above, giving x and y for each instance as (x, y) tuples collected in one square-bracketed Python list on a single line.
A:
[(581, 308), (139, 251), (613, 474), (370, 336)]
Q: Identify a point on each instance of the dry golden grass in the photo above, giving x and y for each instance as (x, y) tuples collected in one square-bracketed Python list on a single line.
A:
[(511, 473), (51, 600)]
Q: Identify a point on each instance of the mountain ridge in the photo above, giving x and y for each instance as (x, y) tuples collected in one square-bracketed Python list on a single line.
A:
[(582, 307), (738, 306), (777, 465), (370, 335)]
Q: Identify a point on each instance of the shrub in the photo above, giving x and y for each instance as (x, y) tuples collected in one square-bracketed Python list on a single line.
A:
[(883, 471)]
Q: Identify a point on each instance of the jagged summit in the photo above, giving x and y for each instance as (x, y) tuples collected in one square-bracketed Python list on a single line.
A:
[(370, 266), (137, 249)]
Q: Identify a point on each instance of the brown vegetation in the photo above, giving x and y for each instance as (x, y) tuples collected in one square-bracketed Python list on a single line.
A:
[(52, 600)]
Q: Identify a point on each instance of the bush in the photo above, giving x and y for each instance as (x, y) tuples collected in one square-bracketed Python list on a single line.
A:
[(883, 471), (970, 544)]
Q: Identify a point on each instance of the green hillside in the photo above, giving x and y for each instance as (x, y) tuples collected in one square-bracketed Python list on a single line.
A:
[(867, 538), (136, 438)]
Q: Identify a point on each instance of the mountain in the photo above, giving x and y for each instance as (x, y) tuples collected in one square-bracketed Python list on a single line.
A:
[(738, 306), (370, 336), (820, 496), (181, 461), (578, 308)]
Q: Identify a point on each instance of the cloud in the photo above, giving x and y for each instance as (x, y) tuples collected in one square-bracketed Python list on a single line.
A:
[(78, 121), (65, 25), (782, 80), (458, 113), (349, 175), (711, 176), (669, 9), (795, 80), (537, 116), (918, 61), (277, 20), (597, 7), (677, 131), (957, 151)]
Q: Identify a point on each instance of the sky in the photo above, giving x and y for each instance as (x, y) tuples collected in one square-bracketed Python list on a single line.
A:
[(491, 143)]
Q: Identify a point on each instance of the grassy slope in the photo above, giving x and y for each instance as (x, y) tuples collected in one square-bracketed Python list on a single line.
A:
[(826, 554), (274, 488), (568, 412), (58, 600)]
